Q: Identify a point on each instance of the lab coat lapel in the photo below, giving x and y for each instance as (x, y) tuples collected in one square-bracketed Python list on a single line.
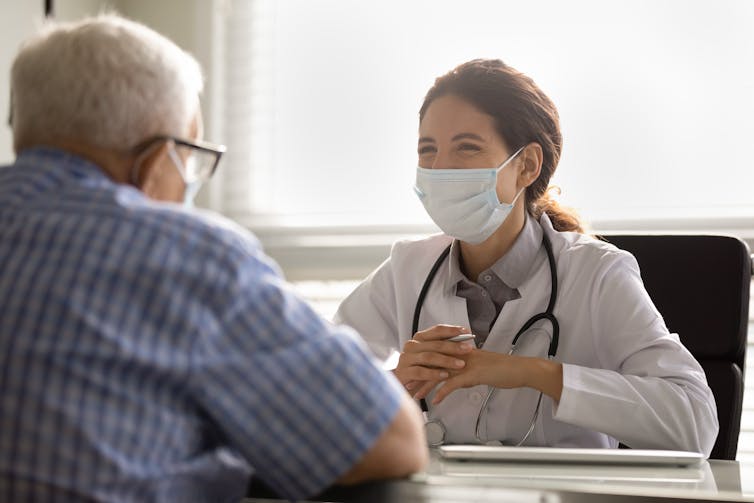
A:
[(442, 306)]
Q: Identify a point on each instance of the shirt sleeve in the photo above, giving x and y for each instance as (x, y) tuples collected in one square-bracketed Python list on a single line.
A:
[(301, 399), (650, 392), (371, 310)]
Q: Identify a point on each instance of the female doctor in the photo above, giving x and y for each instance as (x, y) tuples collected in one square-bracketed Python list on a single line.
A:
[(568, 348)]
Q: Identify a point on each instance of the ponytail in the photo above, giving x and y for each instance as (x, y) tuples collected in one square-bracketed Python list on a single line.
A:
[(563, 219)]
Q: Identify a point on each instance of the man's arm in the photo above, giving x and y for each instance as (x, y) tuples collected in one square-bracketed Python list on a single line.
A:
[(302, 400), (398, 452)]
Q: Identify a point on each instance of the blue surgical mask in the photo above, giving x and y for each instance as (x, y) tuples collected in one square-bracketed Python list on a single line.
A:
[(463, 202)]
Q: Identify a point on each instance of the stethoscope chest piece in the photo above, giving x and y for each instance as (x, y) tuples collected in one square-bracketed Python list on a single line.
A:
[(435, 432)]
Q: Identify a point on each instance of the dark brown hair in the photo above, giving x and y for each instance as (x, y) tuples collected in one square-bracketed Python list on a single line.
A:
[(522, 114)]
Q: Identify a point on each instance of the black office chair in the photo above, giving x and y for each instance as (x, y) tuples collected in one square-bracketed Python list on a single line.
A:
[(700, 284)]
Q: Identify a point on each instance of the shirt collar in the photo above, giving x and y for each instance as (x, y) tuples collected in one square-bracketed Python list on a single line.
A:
[(455, 275), (61, 162), (512, 268)]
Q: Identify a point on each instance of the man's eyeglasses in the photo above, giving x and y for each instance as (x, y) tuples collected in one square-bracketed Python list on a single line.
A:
[(199, 158)]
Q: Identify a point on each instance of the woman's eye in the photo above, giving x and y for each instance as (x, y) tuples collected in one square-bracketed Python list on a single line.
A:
[(469, 147), (427, 150)]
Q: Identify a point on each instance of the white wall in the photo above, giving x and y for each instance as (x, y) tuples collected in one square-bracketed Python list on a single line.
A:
[(192, 24), (17, 21), (71, 10)]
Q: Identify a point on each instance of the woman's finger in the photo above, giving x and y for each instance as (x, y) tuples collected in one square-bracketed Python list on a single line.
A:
[(431, 360), (449, 386), (445, 347), (426, 388), (415, 373)]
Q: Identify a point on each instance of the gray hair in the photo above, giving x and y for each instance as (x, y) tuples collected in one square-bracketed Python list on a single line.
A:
[(106, 81)]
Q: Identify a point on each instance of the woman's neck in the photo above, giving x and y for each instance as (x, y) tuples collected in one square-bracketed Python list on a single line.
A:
[(476, 258)]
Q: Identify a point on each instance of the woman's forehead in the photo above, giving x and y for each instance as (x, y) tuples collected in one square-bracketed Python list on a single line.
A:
[(449, 116)]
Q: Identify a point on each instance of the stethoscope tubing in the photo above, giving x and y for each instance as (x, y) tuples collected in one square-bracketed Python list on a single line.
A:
[(548, 314)]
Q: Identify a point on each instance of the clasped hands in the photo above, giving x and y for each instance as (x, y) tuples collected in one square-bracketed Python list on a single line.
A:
[(430, 359)]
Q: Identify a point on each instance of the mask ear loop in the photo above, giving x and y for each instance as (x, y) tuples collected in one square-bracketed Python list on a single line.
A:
[(178, 163), (191, 187), (504, 164), (517, 196), (136, 168)]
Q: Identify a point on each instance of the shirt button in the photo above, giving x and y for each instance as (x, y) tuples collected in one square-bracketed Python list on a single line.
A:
[(487, 277), (484, 293), (475, 397)]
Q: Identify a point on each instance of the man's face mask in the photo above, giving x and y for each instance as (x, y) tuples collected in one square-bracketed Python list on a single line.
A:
[(195, 162)]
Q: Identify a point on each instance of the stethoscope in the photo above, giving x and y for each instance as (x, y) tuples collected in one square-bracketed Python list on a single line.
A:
[(434, 428)]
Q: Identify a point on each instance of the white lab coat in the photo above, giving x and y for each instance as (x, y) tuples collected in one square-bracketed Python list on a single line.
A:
[(625, 377)]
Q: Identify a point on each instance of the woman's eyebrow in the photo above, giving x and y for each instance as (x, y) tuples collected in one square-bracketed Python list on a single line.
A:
[(467, 136), (459, 136)]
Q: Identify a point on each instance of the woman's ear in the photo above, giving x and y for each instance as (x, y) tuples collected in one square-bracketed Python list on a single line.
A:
[(531, 161)]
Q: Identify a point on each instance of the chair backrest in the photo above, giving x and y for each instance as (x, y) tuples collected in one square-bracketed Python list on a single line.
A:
[(700, 285)]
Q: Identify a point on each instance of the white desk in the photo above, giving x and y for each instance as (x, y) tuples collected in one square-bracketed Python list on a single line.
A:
[(715, 479), (446, 481)]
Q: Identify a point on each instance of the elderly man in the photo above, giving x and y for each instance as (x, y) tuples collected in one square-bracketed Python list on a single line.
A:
[(149, 353)]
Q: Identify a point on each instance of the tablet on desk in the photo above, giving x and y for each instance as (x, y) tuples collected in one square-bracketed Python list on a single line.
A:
[(567, 455)]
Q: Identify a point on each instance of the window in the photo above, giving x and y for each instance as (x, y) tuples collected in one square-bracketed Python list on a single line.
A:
[(655, 100)]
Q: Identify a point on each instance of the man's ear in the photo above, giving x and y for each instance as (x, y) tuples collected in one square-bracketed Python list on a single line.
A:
[(531, 161), (148, 168)]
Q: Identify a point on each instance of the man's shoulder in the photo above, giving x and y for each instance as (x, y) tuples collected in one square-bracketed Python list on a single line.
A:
[(200, 247), (199, 229)]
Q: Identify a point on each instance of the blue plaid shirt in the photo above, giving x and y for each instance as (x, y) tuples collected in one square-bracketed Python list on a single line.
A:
[(152, 354)]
